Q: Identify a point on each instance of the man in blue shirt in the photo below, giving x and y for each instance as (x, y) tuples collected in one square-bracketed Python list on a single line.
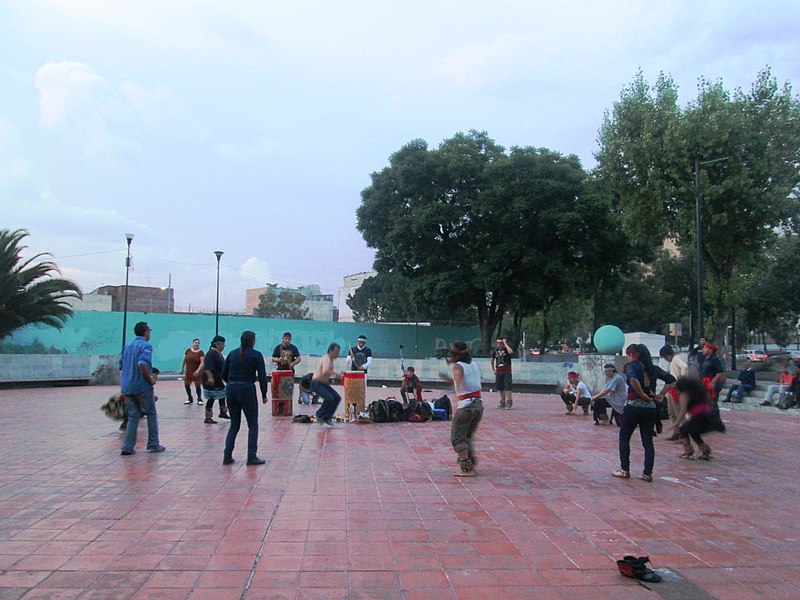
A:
[(747, 383), (136, 364)]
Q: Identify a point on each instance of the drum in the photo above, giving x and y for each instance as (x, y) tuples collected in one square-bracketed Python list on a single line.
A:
[(355, 393), (282, 388)]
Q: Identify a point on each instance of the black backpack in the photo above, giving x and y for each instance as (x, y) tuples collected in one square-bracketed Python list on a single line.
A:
[(425, 411), (379, 411), (444, 402), (396, 411)]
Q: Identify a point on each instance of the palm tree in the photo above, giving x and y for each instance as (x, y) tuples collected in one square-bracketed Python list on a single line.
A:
[(30, 291)]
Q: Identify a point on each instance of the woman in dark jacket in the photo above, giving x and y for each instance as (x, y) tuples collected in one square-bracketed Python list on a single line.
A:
[(640, 411), (242, 368), (693, 401)]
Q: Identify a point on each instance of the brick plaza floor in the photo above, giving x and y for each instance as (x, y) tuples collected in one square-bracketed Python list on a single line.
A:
[(373, 511)]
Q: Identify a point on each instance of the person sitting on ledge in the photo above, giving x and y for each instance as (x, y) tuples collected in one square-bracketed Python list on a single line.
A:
[(747, 383), (780, 388)]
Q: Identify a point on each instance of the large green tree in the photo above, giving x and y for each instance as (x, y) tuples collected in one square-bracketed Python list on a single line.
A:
[(31, 290), (649, 146), (472, 226), (281, 304)]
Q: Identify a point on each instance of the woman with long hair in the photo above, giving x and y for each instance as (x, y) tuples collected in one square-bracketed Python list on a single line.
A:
[(693, 403), (242, 368), (191, 368), (640, 411)]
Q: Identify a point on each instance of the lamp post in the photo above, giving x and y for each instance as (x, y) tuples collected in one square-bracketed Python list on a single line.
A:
[(218, 254), (698, 207), (129, 239)]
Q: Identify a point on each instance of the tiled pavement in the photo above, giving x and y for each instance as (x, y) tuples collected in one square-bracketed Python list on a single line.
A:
[(372, 511)]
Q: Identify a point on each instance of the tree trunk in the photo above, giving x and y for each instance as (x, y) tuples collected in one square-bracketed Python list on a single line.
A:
[(545, 330), (721, 322)]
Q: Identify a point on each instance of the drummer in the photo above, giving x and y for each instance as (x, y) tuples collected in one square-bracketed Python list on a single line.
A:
[(286, 356)]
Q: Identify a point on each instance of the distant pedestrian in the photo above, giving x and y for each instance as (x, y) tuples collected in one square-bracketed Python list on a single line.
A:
[(213, 385), (321, 385), (500, 361), (137, 381), (191, 368), (243, 367), (466, 379)]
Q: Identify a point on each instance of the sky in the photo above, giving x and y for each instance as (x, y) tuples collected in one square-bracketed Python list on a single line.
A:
[(251, 127)]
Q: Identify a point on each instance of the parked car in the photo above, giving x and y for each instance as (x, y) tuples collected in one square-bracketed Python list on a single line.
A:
[(753, 355)]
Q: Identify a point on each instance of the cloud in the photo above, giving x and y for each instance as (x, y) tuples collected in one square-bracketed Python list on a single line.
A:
[(247, 150), (256, 270), (478, 63)]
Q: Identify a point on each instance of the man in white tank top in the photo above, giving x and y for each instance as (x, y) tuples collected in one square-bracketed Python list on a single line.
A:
[(466, 378)]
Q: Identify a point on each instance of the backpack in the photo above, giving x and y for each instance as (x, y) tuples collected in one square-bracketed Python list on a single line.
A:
[(379, 411), (425, 411), (444, 402), (396, 411)]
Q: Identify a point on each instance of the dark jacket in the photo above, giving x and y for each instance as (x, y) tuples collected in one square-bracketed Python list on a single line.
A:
[(246, 367)]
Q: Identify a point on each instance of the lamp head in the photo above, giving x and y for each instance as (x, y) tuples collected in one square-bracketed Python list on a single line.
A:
[(129, 237), (218, 254)]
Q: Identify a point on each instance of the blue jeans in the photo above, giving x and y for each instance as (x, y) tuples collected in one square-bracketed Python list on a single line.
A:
[(738, 391), (241, 398), (645, 418), (330, 399), (137, 405)]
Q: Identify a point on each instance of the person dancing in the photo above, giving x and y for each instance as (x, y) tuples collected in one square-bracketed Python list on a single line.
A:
[(693, 402)]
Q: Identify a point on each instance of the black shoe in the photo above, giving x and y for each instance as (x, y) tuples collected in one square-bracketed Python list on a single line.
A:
[(127, 452), (228, 460), (189, 401), (209, 420), (224, 416), (158, 448), (251, 462)]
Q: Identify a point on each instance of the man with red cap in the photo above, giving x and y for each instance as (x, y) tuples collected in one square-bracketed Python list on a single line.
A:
[(712, 372)]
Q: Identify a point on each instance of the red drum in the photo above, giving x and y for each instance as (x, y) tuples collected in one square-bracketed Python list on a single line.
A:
[(282, 388), (355, 391)]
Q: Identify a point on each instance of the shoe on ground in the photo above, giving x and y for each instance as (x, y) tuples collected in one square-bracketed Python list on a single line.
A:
[(326, 423), (127, 452), (501, 406), (209, 421), (766, 403), (508, 407), (647, 478), (123, 427), (252, 462), (199, 402), (158, 448), (189, 401), (461, 473), (225, 416), (228, 460)]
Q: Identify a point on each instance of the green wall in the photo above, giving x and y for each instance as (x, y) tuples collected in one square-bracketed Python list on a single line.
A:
[(90, 332)]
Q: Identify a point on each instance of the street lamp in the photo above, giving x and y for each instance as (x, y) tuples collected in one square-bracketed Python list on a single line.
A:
[(129, 239), (218, 254), (698, 207)]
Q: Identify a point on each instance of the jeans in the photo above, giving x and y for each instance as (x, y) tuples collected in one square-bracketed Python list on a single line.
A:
[(775, 389), (645, 418), (465, 424), (738, 391), (242, 398), (137, 405), (330, 399)]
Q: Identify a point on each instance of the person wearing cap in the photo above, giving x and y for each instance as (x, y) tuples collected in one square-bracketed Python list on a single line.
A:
[(501, 365), (677, 368), (213, 386), (360, 356), (614, 394), (575, 394)]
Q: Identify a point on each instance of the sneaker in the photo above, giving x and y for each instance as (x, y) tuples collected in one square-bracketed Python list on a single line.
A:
[(189, 401), (158, 448), (209, 421), (508, 407), (199, 402), (501, 406), (224, 416)]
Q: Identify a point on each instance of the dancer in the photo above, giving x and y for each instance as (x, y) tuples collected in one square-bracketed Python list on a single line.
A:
[(640, 411), (192, 366), (136, 364), (466, 379), (213, 386), (501, 365), (321, 385), (242, 368), (693, 402)]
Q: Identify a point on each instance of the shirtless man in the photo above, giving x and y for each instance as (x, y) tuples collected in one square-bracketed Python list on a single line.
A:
[(320, 385)]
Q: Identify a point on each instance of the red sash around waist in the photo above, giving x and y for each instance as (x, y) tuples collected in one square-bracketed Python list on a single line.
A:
[(476, 394)]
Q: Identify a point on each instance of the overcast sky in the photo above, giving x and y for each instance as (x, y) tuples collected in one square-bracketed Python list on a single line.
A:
[(252, 126)]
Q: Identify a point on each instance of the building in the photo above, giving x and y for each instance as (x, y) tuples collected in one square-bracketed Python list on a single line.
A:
[(140, 298), (350, 284), (91, 301), (319, 306)]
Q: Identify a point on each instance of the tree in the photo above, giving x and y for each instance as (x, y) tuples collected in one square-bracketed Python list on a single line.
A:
[(281, 304), (772, 296), (648, 149), (30, 290), (470, 226)]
